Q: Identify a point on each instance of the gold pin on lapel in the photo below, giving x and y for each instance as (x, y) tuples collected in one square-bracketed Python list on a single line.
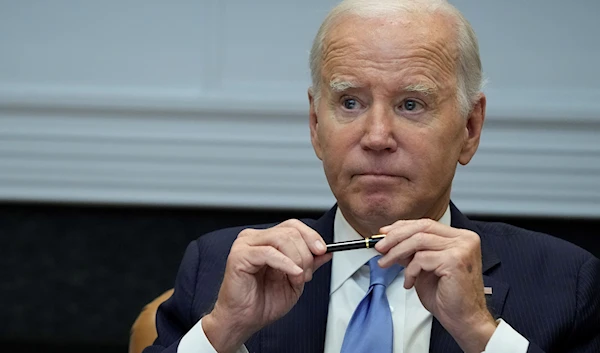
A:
[(487, 290)]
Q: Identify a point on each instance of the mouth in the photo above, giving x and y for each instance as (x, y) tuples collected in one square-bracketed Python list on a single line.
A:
[(377, 176)]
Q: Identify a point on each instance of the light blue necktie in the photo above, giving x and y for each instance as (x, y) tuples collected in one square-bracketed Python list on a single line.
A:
[(370, 329)]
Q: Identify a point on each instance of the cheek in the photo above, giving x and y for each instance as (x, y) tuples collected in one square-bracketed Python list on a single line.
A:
[(336, 145), (334, 154), (430, 154)]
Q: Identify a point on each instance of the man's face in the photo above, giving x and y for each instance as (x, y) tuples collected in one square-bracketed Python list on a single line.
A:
[(387, 126)]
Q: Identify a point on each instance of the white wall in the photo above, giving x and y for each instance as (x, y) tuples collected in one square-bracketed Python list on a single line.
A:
[(204, 103)]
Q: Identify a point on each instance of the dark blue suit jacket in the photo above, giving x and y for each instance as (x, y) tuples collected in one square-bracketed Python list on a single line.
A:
[(545, 288)]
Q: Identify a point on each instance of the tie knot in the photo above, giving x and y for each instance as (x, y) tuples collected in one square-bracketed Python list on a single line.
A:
[(383, 276)]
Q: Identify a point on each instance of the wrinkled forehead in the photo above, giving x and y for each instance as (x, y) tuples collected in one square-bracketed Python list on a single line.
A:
[(425, 42)]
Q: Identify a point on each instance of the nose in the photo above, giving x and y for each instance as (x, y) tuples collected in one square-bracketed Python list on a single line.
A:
[(378, 132)]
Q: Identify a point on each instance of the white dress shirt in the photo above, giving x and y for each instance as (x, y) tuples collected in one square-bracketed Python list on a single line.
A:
[(349, 284)]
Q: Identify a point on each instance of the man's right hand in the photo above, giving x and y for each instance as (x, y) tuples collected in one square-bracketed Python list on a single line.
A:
[(264, 278)]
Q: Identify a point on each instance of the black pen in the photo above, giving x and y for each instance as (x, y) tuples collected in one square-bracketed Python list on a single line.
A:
[(365, 243)]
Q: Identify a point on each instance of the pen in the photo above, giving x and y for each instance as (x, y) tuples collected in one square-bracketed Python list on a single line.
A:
[(365, 243)]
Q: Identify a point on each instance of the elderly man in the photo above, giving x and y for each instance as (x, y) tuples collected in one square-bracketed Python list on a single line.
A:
[(395, 104)]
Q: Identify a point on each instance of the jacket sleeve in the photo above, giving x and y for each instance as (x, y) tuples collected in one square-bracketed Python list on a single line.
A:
[(174, 316), (585, 333), (585, 336)]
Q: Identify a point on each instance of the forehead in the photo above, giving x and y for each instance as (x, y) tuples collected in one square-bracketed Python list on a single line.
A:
[(419, 47)]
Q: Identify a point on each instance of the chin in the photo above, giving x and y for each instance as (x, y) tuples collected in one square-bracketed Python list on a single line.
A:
[(375, 211)]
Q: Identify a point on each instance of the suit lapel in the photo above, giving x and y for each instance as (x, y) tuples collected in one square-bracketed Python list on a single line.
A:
[(303, 328), (441, 341), (495, 300)]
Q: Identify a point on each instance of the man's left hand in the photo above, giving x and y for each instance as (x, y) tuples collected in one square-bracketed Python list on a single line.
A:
[(444, 266)]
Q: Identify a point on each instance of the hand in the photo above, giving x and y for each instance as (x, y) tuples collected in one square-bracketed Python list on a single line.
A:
[(264, 278), (444, 266)]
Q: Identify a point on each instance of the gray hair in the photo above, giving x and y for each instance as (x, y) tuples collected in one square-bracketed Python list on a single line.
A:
[(469, 74)]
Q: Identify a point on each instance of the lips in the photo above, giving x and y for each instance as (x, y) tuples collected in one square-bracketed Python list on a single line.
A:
[(379, 174), (377, 178)]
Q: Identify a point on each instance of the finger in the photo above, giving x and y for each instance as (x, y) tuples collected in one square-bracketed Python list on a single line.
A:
[(288, 245), (398, 223), (401, 230), (289, 242), (427, 261), (321, 260), (417, 242), (275, 236), (307, 257), (315, 242), (247, 232), (257, 257)]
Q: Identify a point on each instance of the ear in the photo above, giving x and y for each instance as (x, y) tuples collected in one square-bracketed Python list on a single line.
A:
[(314, 124), (473, 130)]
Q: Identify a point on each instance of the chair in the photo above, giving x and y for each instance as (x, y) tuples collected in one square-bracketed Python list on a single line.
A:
[(143, 331)]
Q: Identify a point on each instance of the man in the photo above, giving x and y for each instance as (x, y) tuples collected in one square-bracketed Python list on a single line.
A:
[(395, 104)]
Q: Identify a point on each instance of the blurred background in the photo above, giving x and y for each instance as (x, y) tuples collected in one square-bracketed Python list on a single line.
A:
[(130, 128)]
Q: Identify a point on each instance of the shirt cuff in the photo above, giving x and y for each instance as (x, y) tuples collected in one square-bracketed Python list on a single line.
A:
[(506, 339), (195, 341)]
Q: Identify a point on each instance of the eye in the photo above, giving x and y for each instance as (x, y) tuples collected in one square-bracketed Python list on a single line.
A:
[(411, 105), (350, 104)]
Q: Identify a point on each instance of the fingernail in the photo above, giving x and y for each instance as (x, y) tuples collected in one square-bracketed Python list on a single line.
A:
[(319, 245)]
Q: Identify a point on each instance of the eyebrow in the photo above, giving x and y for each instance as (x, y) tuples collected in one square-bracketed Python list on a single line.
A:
[(424, 88), (341, 86)]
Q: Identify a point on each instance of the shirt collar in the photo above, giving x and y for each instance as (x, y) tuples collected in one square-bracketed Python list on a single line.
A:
[(346, 263)]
